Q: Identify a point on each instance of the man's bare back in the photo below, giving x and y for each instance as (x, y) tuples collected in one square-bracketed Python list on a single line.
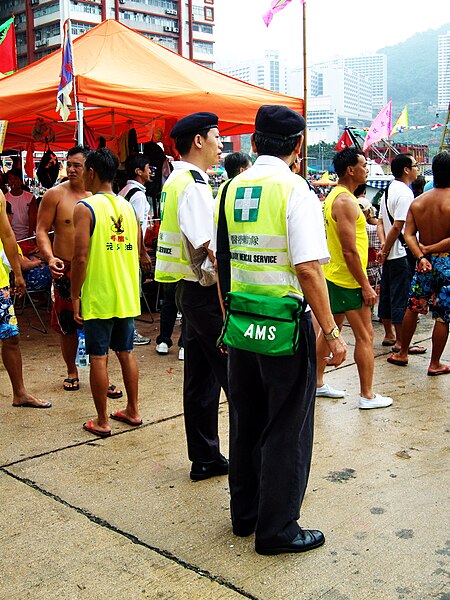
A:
[(431, 215)]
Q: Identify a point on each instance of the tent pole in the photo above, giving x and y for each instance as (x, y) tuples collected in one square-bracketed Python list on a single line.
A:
[(80, 123), (304, 164)]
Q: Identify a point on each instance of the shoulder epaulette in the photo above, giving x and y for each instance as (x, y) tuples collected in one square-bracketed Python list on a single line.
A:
[(197, 176)]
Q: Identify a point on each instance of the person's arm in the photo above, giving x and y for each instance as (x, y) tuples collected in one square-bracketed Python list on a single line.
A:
[(32, 216), (442, 246), (10, 245), (345, 214), (45, 219), (144, 259), (312, 282), (393, 234), (82, 220), (424, 264)]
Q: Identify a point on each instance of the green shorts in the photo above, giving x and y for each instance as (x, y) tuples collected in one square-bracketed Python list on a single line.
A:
[(344, 299)]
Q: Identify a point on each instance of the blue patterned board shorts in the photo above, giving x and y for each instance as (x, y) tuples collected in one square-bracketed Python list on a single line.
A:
[(432, 289), (8, 319)]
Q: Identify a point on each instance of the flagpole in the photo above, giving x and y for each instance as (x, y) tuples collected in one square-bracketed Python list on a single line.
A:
[(305, 98)]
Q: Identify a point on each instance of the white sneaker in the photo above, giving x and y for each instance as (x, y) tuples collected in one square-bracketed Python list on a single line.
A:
[(140, 340), (377, 402), (326, 391), (181, 354), (162, 348)]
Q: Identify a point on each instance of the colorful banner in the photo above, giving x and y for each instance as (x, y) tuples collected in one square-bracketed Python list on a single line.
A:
[(3, 127), (66, 79), (275, 6), (381, 126), (345, 141), (402, 122), (8, 53)]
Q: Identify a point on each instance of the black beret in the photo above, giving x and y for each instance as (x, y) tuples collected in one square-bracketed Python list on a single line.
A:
[(194, 123), (279, 122)]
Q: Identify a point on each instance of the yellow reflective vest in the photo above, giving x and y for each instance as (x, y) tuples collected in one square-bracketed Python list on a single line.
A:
[(113, 257), (172, 263)]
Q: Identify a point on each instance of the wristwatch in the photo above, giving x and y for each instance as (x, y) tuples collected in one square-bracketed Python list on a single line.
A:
[(333, 335)]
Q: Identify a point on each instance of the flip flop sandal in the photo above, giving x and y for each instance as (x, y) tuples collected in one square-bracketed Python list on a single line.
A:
[(395, 361), (416, 349), (89, 427), (112, 394), (119, 416), (444, 371), (74, 384)]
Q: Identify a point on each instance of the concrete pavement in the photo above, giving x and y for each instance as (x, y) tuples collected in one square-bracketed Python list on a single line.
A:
[(119, 518)]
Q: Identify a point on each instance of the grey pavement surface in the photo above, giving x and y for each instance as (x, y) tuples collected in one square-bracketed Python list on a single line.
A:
[(85, 518)]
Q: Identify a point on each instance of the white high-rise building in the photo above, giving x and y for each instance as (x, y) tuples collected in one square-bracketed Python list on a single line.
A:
[(268, 72), (184, 26), (337, 97), (374, 67), (444, 71)]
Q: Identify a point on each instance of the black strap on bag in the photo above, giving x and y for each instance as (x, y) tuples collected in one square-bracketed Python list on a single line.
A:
[(131, 192), (223, 254)]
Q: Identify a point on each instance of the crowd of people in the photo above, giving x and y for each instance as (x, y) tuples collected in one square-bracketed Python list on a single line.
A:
[(232, 266)]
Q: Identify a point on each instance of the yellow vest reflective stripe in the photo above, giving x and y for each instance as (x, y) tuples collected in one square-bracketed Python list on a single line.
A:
[(256, 218), (171, 261), (337, 270), (113, 256)]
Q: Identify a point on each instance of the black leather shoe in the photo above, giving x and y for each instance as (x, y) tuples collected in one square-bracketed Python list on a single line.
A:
[(205, 470), (307, 539)]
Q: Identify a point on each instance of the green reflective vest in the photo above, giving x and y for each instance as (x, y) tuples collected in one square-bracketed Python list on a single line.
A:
[(256, 218)]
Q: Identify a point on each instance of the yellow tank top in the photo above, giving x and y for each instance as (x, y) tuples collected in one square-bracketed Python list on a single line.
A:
[(111, 286), (336, 270)]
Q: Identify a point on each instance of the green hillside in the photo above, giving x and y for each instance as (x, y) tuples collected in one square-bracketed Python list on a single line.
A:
[(412, 69)]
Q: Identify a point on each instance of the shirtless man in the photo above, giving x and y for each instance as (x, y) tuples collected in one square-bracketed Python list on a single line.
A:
[(56, 212), (429, 215)]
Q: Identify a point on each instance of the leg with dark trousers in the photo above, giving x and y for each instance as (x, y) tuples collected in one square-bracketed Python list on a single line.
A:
[(205, 369), (168, 314), (271, 434)]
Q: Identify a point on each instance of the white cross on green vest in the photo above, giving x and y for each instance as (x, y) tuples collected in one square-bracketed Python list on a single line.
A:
[(246, 204)]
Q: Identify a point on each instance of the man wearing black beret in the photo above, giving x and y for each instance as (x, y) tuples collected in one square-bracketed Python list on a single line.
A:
[(187, 222), (277, 242)]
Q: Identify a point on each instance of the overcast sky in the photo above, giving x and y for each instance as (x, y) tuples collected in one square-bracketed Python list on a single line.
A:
[(343, 27)]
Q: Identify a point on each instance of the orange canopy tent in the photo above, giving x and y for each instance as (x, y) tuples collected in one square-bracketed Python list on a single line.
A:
[(123, 79)]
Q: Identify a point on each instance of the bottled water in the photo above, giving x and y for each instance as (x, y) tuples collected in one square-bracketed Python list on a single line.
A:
[(82, 359)]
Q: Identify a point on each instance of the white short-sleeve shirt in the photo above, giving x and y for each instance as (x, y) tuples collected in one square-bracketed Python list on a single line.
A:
[(399, 200)]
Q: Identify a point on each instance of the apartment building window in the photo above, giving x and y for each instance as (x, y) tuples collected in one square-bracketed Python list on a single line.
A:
[(203, 47), (202, 28), (209, 14), (80, 28), (48, 9), (87, 8)]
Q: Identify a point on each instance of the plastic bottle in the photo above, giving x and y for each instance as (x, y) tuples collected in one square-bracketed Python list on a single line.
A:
[(82, 359)]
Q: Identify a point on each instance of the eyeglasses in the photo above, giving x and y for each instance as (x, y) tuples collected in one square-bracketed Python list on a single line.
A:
[(415, 165)]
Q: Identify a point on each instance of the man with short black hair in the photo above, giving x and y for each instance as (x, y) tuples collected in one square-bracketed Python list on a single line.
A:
[(187, 222), (351, 295), (277, 242), (105, 286), (235, 163), (396, 276)]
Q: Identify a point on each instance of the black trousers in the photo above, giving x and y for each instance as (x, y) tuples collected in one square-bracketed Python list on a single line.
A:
[(205, 368), (168, 315), (271, 435)]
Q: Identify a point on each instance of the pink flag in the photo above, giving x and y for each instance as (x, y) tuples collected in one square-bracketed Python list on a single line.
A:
[(381, 126), (275, 6)]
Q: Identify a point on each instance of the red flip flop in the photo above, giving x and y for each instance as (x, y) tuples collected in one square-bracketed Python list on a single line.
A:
[(119, 416), (395, 361), (444, 371), (88, 426)]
